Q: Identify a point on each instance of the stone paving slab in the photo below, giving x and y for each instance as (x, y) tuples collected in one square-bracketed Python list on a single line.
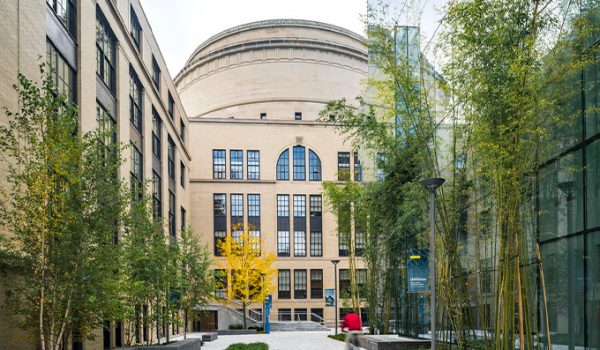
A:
[(277, 341)]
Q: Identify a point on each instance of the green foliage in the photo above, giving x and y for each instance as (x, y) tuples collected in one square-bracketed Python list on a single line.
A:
[(60, 207), (251, 346)]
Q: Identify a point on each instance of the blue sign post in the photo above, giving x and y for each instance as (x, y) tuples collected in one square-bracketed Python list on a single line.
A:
[(268, 303), (418, 270)]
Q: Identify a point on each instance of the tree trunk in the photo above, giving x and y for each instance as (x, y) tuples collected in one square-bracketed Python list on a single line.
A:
[(185, 323), (244, 305)]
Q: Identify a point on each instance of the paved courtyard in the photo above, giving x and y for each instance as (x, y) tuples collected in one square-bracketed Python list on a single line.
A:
[(277, 341)]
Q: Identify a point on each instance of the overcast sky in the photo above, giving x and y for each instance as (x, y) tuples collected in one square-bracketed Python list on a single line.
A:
[(181, 25)]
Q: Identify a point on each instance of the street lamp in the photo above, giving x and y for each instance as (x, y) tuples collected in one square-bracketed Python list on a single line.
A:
[(335, 262), (431, 185)]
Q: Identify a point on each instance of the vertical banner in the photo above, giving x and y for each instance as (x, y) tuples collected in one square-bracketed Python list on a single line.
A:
[(418, 270), (330, 297)]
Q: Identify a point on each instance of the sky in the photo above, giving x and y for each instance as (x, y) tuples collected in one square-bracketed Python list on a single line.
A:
[(182, 25)]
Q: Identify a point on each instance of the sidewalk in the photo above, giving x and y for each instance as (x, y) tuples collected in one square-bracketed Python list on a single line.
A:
[(276, 341)]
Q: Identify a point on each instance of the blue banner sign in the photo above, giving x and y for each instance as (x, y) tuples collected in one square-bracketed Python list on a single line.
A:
[(330, 297), (418, 270)]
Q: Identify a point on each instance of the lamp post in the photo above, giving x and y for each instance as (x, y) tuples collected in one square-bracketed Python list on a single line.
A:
[(335, 262), (264, 307), (431, 185)]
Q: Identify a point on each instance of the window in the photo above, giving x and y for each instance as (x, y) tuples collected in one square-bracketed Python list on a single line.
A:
[(283, 284), (299, 243), (316, 284), (156, 134), (65, 11), (298, 116), (359, 242), (381, 160), (172, 227), (237, 205), (299, 163), (254, 205), (135, 100), (283, 205), (182, 174), (283, 166), (220, 278), (300, 315), (220, 220), (105, 52), (316, 243), (299, 205), (263, 116), (137, 175), (171, 158), (314, 166), (343, 166), (107, 124), (182, 129), (171, 106), (299, 284), (357, 168), (284, 314), (236, 168), (183, 219), (253, 165), (136, 30), (344, 281), (219, 163), (62, 74), (316, 206), (155, 73), (317, 315), (283, 243), (156, 196)]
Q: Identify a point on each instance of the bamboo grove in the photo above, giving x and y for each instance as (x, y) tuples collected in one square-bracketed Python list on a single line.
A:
[(507, 93)]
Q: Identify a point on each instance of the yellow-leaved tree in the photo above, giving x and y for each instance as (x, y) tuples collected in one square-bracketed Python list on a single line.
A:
[(247, 268)]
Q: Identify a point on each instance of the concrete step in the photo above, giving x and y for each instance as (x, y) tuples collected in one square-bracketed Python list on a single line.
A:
[(296, 326)]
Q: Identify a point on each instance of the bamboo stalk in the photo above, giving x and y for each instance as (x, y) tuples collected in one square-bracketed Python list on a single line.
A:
[(541, 268)]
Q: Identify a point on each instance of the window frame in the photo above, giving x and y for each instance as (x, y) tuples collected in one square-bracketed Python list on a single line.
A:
[(136, 29), (236, 164), (219, 174), (299, 163), (285, 282), (253, 164), (283, 165), (314, 166), (300, 284), (343, 166)]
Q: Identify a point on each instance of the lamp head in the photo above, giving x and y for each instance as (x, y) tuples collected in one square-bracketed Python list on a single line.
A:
[(335, 262), (432, 183)]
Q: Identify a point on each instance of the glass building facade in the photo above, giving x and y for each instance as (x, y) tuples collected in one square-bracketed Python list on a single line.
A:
[(568, 224)]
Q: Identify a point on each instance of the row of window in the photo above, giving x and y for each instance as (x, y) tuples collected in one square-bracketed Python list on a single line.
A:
[(299, 165), (299, 225), (236, 164), (284, 283)]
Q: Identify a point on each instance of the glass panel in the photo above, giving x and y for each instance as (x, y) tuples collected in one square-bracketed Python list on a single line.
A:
[(593, 185), (593, 292), (562, 262), (283, 166), (592, 98), (299, 163)]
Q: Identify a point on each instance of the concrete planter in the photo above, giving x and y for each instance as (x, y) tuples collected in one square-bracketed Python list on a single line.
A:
[(187, 344)]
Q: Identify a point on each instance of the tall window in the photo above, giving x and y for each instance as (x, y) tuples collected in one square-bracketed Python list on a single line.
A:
[(155, 73), (237, 205), (357, 168), (219, 163), (316, 225), (283, 166), (316, 243), (65, 11), (254, 216), (183, 219), (283, 284), (171, 106), (220, 220), (283, 225), (105, 52), (137, 175), (135, 100), (314, 166), (236, 170), (182, 174), (62, 74), (316, 284), (299, 163), (182, 129), (344, 166), (172, 227), (171, 158), (156, 133), (381, 160), (299, 225), (136, 30), (299, 284), (253, 165), (156, 196), (107, 124)]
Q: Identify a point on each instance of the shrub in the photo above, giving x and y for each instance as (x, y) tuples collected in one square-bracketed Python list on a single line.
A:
[(236, 326), (251, 346)]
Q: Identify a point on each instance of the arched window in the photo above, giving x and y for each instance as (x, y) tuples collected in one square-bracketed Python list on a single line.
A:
[(314, 166), (283, 166), (299, 163)]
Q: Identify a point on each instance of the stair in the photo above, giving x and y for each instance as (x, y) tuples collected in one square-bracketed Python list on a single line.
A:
[(296, 326)]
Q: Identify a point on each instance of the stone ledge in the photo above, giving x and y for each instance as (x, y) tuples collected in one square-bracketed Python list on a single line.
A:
[(187, 344)]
